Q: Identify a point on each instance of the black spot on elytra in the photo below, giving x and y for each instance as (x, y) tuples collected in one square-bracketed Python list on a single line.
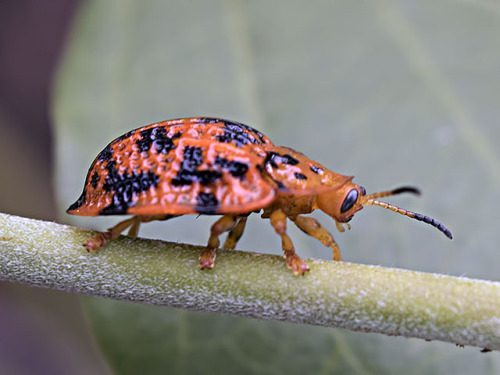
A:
[(274, 159), (94, 180), (206, 203), (316, 169), (212, 120), (126, 135), (165, 144), (236, 168), (79, 202), (300, 176), (236, 138), (158, 138), (235, 132), (189, 173), (105, 154), (125, 187)]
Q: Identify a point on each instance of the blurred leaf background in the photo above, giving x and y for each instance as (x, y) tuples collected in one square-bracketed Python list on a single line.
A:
[(392, 92)]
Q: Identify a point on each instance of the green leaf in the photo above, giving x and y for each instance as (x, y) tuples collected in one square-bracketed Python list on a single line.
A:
[(393, 93)]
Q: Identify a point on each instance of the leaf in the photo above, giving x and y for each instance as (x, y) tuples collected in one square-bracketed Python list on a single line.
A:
[(390, 92)]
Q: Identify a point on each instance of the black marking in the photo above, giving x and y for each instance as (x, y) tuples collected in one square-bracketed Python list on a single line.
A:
[(105, 154), (436, 224), (287, 159), (212, 120), (189, 173), (316, 169), (185, 177), (157, 137), (79, 202), (206, 203), (126, 135), (274, 159), (125, 187), (270, 159), (281, 186), (193, 157), (238, 134), (300, 176), (176, 135), (236, 168), (238, 139), (94, 179), (261, 137)]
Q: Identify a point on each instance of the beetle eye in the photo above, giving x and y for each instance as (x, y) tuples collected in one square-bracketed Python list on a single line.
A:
[(349, 201), (363, 190)]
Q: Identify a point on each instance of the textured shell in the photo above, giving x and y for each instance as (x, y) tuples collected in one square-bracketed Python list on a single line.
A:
[(193, 165), (196, 165)]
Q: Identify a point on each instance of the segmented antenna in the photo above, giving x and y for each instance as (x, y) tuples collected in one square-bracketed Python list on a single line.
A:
[(370, 200)]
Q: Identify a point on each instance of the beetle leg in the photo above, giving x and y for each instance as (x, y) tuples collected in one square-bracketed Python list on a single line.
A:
[(313, 228), (101, 239), (222, 225), (293, 261), (235, 234), (134, 229)]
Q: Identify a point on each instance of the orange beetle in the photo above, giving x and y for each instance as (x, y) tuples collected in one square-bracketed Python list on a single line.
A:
[(213, 166)]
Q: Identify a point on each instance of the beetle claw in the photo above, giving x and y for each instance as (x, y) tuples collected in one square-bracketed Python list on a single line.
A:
[(297, 265), (207, 259)]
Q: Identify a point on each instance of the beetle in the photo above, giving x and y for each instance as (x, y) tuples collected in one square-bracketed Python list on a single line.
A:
[(211, 166)]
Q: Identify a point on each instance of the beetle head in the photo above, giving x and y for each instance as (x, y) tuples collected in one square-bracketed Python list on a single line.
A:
[(341, 204)]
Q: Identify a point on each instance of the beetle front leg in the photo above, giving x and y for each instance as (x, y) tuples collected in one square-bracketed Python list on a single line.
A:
[(222, 225), (313, 228), (293, 261)]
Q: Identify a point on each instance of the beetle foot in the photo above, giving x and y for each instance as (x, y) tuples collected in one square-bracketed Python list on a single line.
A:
[(296, 264), (96, 242), (207, 258)]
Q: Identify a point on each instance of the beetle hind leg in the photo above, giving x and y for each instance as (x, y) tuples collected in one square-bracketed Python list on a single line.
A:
[(101, 239), (207, 257), (293, 261), (314, 229)]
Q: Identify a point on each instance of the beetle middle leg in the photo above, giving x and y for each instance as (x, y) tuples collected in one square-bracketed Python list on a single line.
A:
[(293, 261), (313, 228), (222, 225), (235, 234)]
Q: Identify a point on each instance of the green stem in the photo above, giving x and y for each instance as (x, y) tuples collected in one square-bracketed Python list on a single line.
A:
[(337, 294)]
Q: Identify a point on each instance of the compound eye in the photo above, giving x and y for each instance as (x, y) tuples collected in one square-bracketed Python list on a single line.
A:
[(349, 201), (363, 190)]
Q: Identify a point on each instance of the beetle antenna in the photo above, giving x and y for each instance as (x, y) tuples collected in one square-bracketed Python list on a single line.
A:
[(426, 219), (399, 190)]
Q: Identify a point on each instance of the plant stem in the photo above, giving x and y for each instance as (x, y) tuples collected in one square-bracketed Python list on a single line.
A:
[(336, 294)]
